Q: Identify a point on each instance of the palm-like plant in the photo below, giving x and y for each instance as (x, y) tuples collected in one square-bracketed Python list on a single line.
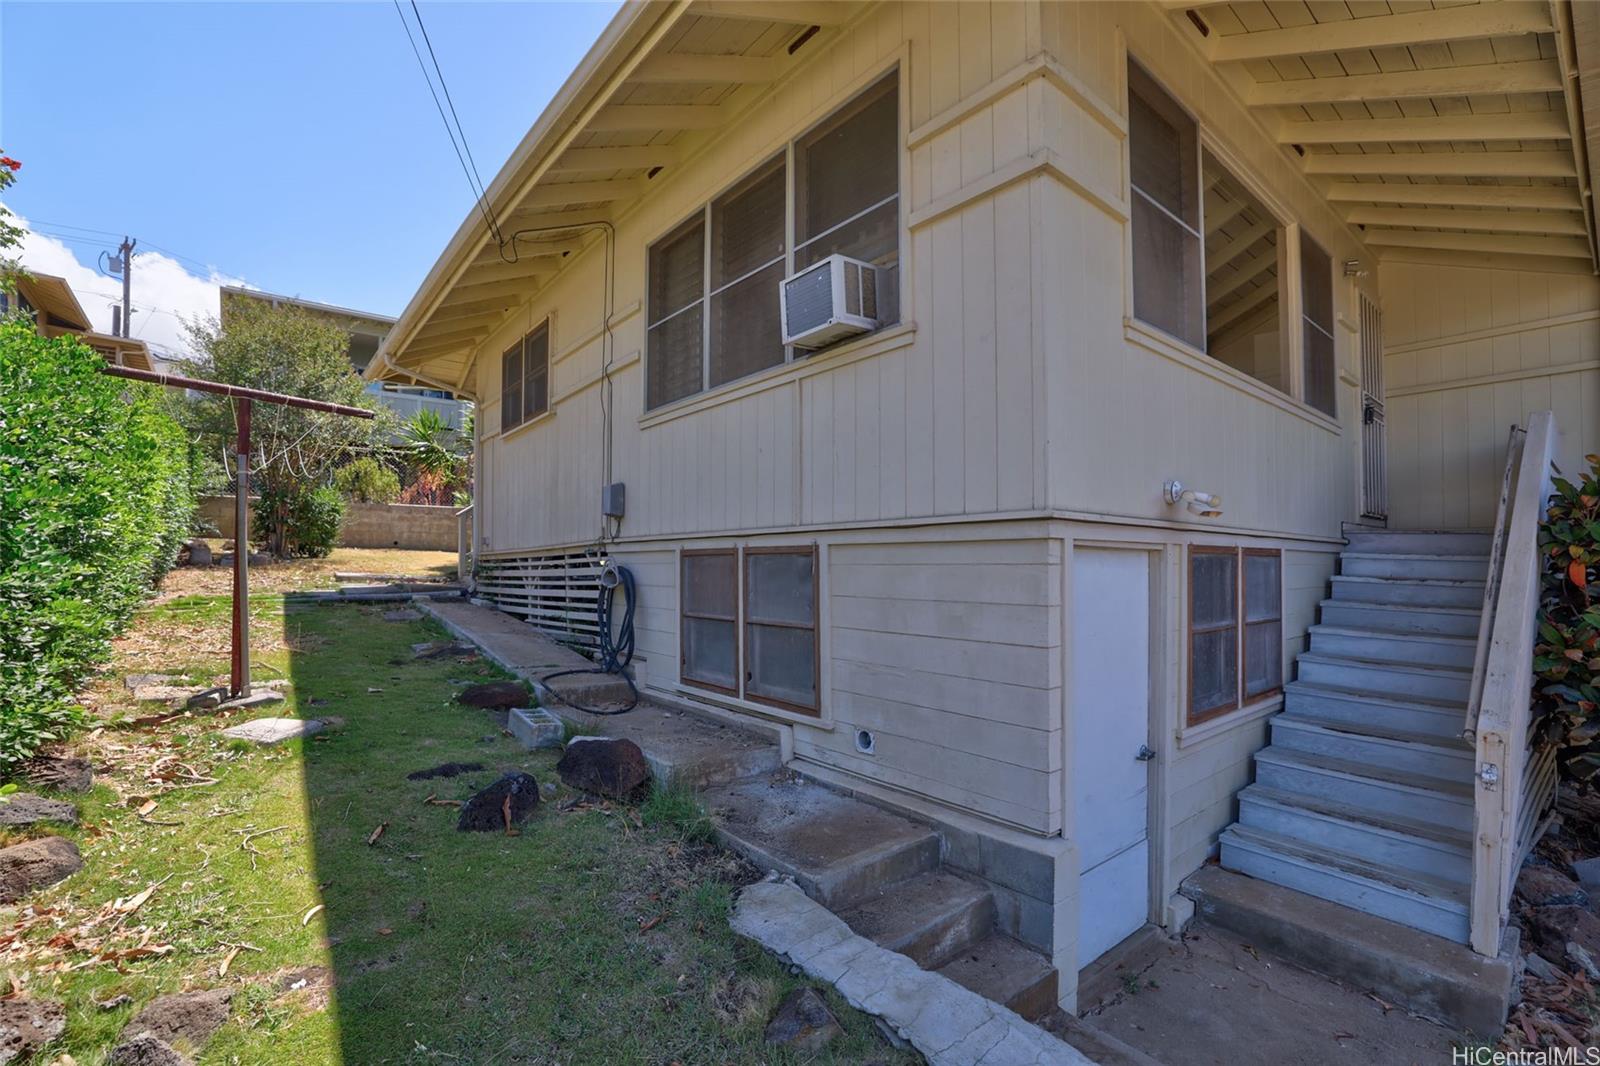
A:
[(431, 445)]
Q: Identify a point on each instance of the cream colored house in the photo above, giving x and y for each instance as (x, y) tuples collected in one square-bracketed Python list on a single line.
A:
[(56, 310), (1313, 260)]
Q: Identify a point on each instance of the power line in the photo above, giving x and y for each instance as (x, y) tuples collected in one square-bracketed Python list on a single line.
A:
[(469, 172)]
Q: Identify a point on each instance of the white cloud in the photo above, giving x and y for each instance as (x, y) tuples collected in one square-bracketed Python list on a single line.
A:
[(166, 294)]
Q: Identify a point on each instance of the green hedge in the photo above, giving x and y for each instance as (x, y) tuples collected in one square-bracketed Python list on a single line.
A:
[(96, 496)]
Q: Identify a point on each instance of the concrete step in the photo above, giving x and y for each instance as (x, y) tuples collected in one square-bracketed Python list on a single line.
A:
[(1419, 541), (1401, 896), (1381, 839), (1395, 679), (1400, 618), (1376, 788), (1414, 567), (930, 917), (1443, 718), (840, 850), (1446, 982), (1375, 744), (1005, 971), (1422, 649), (1414, 593)]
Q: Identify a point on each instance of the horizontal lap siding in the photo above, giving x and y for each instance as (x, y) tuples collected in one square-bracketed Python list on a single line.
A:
[(950, 653), (1469, 352)]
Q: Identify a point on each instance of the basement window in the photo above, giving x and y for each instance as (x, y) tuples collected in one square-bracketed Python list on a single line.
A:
[(749, 624), (525, 379), (1235, 628), (713, 314)]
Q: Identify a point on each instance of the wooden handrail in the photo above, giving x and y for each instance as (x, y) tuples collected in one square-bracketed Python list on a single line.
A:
[(1511, 786), (1491, 584)]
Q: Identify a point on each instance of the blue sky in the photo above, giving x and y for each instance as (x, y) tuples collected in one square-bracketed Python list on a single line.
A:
[(290, 145)]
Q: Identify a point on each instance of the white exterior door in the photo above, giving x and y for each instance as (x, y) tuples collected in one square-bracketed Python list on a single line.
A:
[(1110, 731)]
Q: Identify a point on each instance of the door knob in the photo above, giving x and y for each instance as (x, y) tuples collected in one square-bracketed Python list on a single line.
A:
[(1145, 754)]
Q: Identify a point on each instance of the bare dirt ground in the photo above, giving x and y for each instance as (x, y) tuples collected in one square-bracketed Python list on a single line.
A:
[(298, 574)]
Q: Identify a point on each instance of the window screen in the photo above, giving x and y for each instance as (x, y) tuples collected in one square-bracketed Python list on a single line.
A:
[(525, 379), (1263, 622), (1213, 631), (1243, 305), (781, 626), (1316, 301), (1164, 176), (710, 598), (511, 387), (675, 338), (847, 190), (747, 258)]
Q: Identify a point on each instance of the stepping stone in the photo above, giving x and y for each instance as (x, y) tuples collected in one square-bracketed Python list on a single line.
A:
[(36, 864), (24, 808), (258, 698), (26, 1025), (162, 693), (536, 728), (265, 731), (65, 772), (135, 682), (403, 614)]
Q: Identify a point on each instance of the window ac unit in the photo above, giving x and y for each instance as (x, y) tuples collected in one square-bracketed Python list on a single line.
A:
[(828, 301)]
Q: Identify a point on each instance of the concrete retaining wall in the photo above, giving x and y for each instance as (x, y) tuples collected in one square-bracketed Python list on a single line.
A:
[(366, 525)]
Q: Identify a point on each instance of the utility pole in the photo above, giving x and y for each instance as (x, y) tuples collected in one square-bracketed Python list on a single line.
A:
[(126, 251)]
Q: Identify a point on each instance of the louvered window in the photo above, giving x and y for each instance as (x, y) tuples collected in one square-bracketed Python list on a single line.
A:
[(525, 379)]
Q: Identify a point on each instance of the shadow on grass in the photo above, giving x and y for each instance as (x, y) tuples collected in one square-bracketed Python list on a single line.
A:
[(596, 934)]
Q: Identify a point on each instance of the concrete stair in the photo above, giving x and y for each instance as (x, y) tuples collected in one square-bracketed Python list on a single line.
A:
[(1364, 795), (881, 873)]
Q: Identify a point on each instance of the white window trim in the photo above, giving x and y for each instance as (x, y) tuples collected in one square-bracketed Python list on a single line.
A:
[(896, 68)]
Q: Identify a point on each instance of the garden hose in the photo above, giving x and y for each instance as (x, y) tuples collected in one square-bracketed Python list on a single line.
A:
[(614, 654)]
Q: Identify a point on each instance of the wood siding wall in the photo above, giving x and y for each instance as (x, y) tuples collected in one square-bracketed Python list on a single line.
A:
[(1467, 353)]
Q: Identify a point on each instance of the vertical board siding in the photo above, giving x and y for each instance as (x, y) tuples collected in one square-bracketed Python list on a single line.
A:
[(1468, 352)]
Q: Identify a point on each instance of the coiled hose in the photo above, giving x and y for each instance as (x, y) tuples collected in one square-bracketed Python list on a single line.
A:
[(614, 654)]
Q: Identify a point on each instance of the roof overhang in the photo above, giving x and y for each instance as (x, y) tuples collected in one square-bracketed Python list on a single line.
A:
[(1451, 134), (52, 295), (663, 79), (120, 351)]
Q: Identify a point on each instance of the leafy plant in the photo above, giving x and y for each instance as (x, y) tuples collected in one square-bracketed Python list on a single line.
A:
[(309, 518), (96, 495), (367, 481), (430, 444), (1566, 659), (10, 232)]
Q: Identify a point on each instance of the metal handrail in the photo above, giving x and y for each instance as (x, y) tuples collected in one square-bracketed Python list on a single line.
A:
[(1491, 585)]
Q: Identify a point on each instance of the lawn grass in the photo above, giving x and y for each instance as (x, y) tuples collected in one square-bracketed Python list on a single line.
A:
[(597, 935)]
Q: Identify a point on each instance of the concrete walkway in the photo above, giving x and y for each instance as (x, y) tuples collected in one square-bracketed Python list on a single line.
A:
[(949, 1024)]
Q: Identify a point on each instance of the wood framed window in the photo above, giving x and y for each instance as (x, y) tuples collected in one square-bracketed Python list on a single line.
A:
[(749, 624), (525, 379), (1235, 628), (780, 627), (1164, 176), (1316, 311), (713, 312), (709, 638)]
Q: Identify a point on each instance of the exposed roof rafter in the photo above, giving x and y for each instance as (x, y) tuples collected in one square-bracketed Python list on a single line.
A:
[(1507, 18)]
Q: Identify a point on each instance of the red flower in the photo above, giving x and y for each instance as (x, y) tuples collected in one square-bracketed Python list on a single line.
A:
[(9, 163)]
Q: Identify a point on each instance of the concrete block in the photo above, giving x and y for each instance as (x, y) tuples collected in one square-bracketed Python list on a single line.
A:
[(535, 727), (265, 731), (1177, 914)]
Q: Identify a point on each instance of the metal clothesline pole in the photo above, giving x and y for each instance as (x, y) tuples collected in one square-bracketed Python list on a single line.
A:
[(239, 673)]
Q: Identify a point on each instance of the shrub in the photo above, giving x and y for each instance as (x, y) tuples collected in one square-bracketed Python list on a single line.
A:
[(368, 481), (96, 495), (308, 518), (1566, 658)]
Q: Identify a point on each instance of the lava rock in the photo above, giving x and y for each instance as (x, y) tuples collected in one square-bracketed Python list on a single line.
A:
[(24, 808), (486, 811), (803, 1022), (26, 1025), (1553, 928), (66, 773), (444, 769), (146, 1051), (1541, 969), (36, 864), (608, 767), (186, 1018), (495, 695), (1545, 886), (199, 553), (1587, 872)]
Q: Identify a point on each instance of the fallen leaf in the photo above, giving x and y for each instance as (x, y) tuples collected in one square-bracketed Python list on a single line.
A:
[(312, 913), (146, 807), (645, 927), (385, 931), (376, 833), (227, 960)]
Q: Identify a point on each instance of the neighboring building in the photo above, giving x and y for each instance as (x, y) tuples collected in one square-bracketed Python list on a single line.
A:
[(1117, 245), (56, 310), (366, 335)]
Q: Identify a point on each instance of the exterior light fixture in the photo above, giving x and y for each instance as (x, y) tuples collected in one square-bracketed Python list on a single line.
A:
[(1203, 504)]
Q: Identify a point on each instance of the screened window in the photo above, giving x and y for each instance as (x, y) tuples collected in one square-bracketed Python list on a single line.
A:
[(1235, 628), (1163, 143), (1316, 303), (750, 624), (713, 284), (525, 379), (1244, 326)]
